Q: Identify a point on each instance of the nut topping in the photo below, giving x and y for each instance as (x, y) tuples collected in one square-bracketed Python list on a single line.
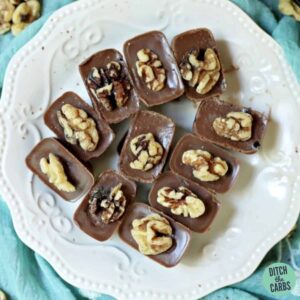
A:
[(202, 74), (153, 234), (237, 126), (181, 202), (78, 127), (107, 206), (205, 167), (56, 174), (109, 85), (148, 152), (151, 70)]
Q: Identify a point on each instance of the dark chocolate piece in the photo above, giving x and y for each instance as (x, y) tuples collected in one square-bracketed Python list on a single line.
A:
[(100, 60), (75, 171), (198, 40), (162, 129), (213, 108), (105, 133), (181, 234), (158, 44), (191, 142), (83, 218), (169, 179)]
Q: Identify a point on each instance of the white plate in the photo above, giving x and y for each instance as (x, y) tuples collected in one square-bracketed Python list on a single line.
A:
[(260, 209)]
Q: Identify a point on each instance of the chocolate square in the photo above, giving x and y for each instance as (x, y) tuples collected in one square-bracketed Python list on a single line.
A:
[(213, 108), (157, 42), (100, 60), (181, 234), (163, 130), (107, 180), (75, 171), (169, 179), (191, 142), (197, 39), (106, 135)]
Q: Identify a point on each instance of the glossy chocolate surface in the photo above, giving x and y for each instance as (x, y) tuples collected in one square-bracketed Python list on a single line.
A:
[(191, 142), (213, 108), (157, 42), (106, 135), (163, 130), (181, 234), (108, 179), (75, 171), (169, 179), (199, 39), (100, 60)]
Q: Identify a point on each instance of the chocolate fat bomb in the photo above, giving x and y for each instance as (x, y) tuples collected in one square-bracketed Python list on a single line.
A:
[(161, 64), (93, 224), (107, 68)]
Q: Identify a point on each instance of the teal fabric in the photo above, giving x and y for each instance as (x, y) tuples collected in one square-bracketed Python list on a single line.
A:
[(25, 275)]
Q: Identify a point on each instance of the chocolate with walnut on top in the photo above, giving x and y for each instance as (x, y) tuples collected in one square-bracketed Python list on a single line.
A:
[(107, 81), (102, 210)]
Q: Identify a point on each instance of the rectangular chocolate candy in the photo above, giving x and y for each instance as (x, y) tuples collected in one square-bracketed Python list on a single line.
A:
[(89, 216), (77, 174), (173, 182), (215, 113), (105, 133), (154, 72), (191, 142), (107, 81), (204, 71), (180, 236), (161, 130)]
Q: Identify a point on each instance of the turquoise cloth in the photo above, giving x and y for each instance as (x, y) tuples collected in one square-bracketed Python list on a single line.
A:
[(25, 275)]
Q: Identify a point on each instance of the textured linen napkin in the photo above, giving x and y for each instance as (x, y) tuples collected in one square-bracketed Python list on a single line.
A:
[(25, 275)]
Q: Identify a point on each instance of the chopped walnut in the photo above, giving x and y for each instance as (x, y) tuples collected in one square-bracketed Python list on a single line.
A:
[(202, 74), (237, 126), (181, 201), (205, 167), (148, 152), (150, 68), (54, 169), (153, 234), (109, 85), (78, 127), (107, 206)]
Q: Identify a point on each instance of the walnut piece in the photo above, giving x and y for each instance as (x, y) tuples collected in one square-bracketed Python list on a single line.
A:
[(202, 74), (107, 206), (181, 201), (78, 127), (151, 70), (54, 169), (148, 152), (109, 85), (237, 126), (153, 234), (16, 15), (205, 167)]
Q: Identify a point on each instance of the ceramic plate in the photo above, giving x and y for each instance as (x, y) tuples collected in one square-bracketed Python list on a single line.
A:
[(260, 209)]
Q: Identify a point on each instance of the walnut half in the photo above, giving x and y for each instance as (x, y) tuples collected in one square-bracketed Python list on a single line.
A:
[(56, 174), (148, 152), (78, 127), (205, 167), (237, 126), (153, 234), (107, 206), (181, 201), (150, 68), (201, 74)]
